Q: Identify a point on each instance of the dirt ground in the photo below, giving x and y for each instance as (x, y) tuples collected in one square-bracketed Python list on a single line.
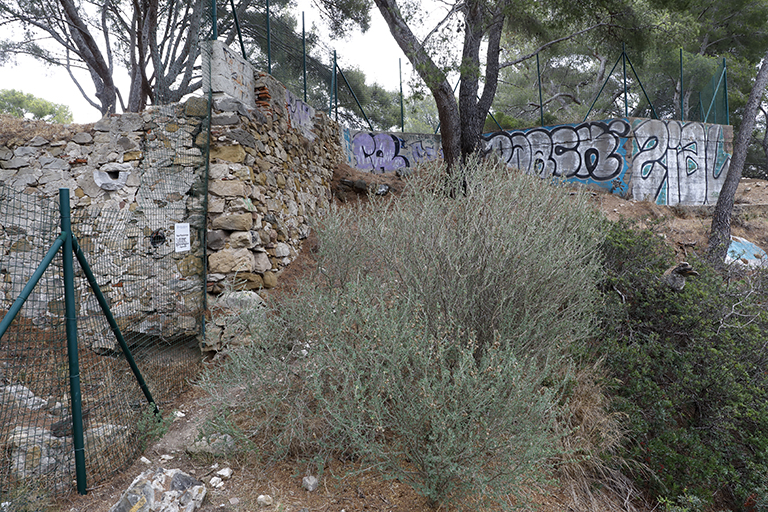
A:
[(685, 229)]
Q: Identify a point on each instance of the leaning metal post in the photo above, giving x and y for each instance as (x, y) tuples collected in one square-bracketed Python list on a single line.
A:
[(19, 302), (269, 43), (304, 54)]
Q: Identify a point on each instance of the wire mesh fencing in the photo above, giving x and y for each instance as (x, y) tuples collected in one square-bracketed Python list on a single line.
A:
[(146, 251), (710, 104)]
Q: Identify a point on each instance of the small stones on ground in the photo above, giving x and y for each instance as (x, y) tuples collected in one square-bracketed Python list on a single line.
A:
[(215, 444), (309, 483), (179, 414), (166, 457), (162, 490), (225, 473), (264, 500), (217, 482), (234, 501), (145, 460)]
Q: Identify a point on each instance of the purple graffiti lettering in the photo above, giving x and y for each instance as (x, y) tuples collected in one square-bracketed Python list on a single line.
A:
[(378, 153), (300, 115)]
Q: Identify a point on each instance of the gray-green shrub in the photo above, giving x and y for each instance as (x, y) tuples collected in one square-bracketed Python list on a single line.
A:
[(433, 343)]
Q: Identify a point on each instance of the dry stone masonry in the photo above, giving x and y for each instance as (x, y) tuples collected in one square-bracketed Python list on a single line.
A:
[(135, 177), (268, 178), (132, 178)]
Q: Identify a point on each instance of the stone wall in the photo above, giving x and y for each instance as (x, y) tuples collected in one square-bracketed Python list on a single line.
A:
[(132, 179), (135, 179), (270, 174)]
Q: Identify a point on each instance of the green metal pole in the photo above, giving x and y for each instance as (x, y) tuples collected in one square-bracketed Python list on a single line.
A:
[(215, 21), (541, 99), (112, 323), (712, 103), (356, 100), (682, 89), (333, 79), (269, 43), (602, 88), (624, 64), (725, 91), (336, 86), (71, 327), (237, 26), (640, 83), (304, 54), (402, 109), (19, 302)]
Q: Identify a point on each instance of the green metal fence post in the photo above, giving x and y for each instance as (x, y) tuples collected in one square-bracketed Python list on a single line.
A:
[(215, 27), (682, 89), (71, 327), (112, 322), (640, 83), (725, 92), (333, 79), (541, 100), (624, 64), (355, 98), (602, 88), (24, 295), (237, 27), (335, 86), (402, 109), (304, 54), (269, 43)]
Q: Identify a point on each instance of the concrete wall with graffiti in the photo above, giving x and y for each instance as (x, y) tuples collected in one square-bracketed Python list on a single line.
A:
[(389, 152), (669, 162)]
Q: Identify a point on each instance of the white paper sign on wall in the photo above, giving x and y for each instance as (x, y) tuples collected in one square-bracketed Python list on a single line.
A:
[(182, 237)]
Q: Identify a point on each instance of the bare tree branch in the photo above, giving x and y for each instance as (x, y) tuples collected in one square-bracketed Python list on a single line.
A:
[(552, 43)]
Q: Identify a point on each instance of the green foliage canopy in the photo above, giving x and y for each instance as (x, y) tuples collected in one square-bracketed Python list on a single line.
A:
[(18, 104)]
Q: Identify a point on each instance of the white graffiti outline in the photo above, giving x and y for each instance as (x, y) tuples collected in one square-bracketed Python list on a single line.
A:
[(677, 162), (592, 152)]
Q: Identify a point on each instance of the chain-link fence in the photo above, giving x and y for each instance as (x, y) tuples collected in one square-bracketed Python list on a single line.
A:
[(145, 248), (710, 104)]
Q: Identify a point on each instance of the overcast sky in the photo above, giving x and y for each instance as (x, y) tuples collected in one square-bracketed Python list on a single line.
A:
[(375, 53)]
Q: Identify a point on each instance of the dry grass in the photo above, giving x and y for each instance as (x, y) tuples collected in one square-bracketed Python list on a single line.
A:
[(592, 472), (16, 132)]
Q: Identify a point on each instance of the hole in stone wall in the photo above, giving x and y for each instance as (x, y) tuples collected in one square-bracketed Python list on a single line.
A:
[(113, 174)]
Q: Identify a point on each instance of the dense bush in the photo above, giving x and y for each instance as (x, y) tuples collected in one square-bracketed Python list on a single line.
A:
[(434, 343), (690, 372)]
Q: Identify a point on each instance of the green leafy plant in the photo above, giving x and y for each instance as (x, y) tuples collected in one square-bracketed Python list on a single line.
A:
[(151, 425), (434, 343), (690, 370)]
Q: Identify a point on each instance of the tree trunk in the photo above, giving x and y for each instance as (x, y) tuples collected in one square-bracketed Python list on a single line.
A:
[(433, 76), (720, 232), (474, 109), (89, 51)]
